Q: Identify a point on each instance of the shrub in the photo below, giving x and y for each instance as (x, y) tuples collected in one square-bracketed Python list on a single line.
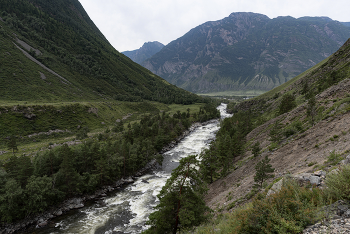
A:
[(82, 133), (287, 104), (339, 183), (273, 146), (288, 211), (293, 128), (289, 132), (334, 158), (256, 149), (298, 125), (276, 95)]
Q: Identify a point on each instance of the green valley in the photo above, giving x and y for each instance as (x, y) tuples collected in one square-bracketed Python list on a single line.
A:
[(75, 114)]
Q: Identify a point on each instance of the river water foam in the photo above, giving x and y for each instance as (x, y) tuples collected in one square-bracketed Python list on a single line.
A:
[(127, 210)]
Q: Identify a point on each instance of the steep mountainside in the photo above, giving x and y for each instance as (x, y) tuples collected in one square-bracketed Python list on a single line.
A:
[(51, 51), (247, 51), (301, 140), (145, 52)]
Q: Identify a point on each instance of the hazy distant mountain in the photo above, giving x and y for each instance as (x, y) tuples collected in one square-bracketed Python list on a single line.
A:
[(247, 51), (346, 24), (146, 51)]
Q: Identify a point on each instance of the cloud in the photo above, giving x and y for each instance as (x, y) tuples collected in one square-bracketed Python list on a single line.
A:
[(128, 24)]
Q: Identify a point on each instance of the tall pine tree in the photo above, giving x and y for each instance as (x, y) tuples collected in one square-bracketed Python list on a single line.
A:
[(181, 200)]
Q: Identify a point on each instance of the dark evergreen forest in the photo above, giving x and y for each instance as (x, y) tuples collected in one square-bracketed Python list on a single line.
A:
[(31, 185)]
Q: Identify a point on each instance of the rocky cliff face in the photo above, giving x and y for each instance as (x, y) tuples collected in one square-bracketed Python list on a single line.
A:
[(146, 51), (247, 51)]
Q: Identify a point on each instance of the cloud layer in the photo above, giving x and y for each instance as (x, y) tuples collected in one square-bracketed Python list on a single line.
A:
[(128, 24)]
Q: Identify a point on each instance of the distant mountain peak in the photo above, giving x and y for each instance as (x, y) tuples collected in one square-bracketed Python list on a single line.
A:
[(247, 51), (147, 50)]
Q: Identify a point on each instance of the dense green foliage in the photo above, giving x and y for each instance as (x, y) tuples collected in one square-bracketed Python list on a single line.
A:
[(181, 200), (339, 183), (60, 35), (30, 186), (287, 104), (288, 211), (229, 143)]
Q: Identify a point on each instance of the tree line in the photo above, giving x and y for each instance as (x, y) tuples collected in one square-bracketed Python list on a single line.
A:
[(182, 203), (30, 186)]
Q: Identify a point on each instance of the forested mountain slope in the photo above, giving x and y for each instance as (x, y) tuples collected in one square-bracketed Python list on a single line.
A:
[(247, 51), (51, 51), (145, 52)]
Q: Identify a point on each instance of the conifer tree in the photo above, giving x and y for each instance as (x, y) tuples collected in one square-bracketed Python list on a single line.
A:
[(264, 171), (181, 200), (311, 109), (12, 144), (275, 132), (209, 165), (256, 149)]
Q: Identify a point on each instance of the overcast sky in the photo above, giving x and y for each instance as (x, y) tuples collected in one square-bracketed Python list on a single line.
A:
[(127, 24)]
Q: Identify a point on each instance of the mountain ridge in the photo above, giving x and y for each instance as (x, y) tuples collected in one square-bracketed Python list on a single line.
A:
[(147, 50), (247, 51), (73, 47)]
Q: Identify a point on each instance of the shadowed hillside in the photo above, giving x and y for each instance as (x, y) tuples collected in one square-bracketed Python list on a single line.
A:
[(51, 51)]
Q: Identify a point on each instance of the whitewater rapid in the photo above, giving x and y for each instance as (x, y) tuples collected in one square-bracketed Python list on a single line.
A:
[(127, 210)]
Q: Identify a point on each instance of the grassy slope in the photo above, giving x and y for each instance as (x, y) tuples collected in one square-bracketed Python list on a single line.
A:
[(71, 46), (97, 116), (83, 80)]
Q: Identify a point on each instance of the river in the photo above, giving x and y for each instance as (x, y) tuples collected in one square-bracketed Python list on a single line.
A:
[(126, 210)]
